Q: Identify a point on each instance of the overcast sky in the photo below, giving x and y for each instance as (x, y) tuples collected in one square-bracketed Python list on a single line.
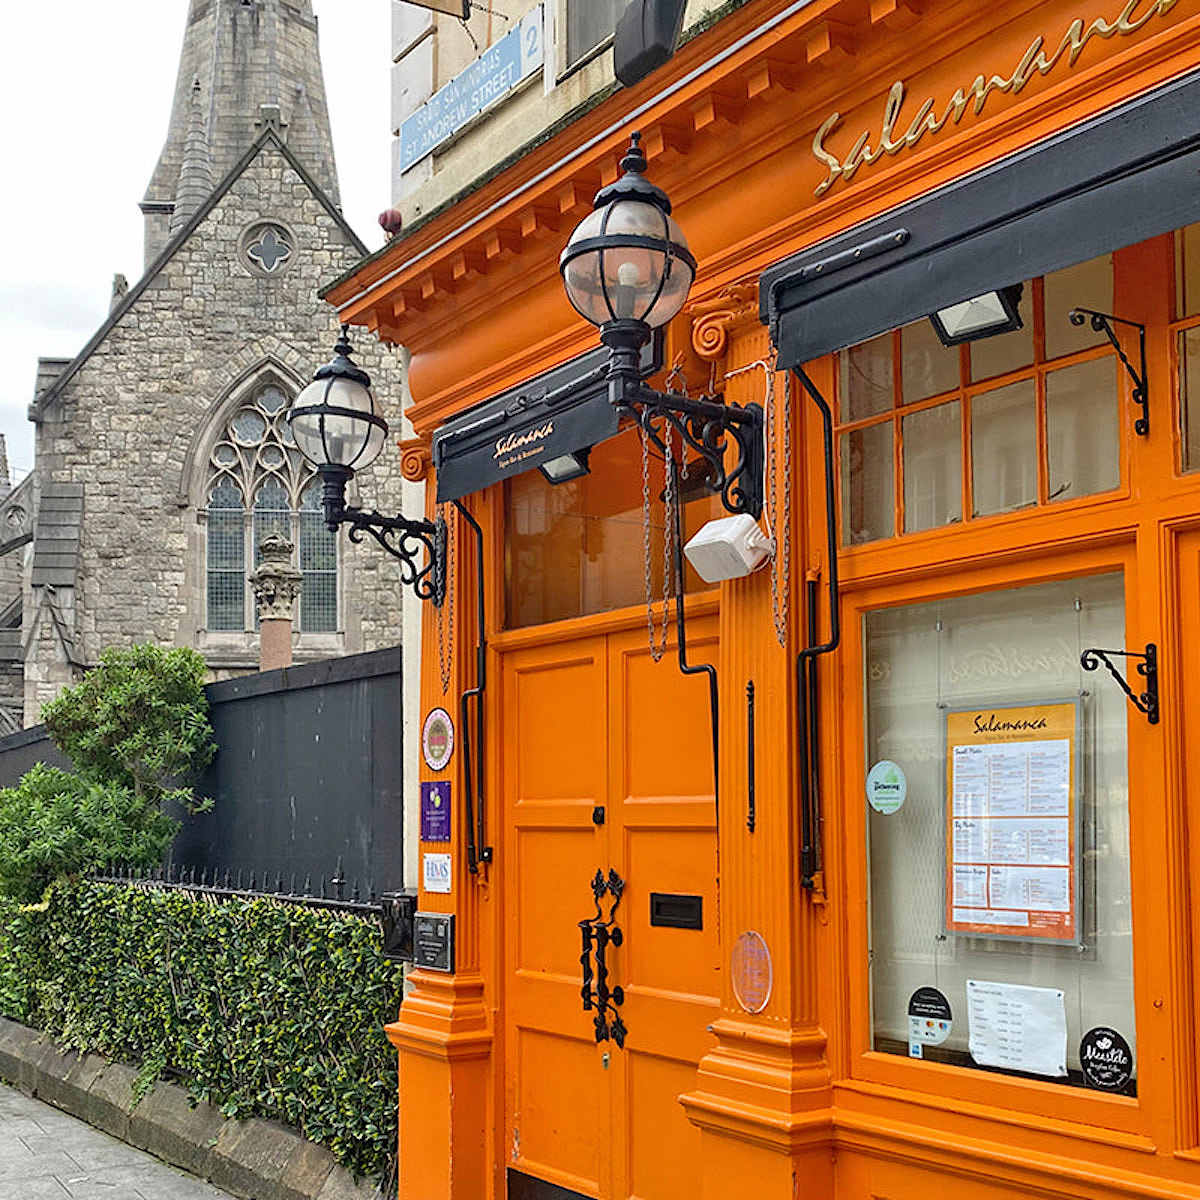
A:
[(85, 93)]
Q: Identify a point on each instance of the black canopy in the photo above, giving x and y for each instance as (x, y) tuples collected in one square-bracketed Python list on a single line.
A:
[(560, 411), (1127, 175)]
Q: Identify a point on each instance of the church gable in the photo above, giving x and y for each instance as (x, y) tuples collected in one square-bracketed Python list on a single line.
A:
[(267, 236)]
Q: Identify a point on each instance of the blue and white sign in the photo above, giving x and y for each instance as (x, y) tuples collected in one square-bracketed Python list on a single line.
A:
[(489, 78)]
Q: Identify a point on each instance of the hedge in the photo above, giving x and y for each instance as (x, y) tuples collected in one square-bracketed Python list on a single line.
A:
[(261, 1008)]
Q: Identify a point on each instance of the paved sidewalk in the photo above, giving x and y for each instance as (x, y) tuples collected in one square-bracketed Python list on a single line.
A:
[(47, 1155)]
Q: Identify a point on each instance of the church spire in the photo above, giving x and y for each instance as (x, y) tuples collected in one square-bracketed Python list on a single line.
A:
[(195, 173), (257, 63)]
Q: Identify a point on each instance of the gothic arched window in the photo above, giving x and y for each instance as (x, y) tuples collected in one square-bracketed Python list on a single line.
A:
[(255, 458)]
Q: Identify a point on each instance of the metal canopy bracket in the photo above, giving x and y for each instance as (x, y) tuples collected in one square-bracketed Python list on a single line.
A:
[(1147, 701), (1103, 323)]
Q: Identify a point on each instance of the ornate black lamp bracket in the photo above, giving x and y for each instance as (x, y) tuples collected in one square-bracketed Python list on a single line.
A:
[(408, 542), (1147, 701), (708, 427), (1103, 323), (596, 935)]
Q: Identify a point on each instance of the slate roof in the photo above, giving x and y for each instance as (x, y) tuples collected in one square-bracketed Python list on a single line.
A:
[(56, 535)]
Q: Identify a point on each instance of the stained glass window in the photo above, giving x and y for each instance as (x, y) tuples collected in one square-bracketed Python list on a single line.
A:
[(255, 457)]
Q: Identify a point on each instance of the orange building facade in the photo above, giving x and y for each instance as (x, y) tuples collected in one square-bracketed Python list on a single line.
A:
[(929, 928)]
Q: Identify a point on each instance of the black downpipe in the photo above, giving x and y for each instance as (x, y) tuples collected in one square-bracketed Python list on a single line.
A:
[(714, 702), (477, 848), (806, 660)]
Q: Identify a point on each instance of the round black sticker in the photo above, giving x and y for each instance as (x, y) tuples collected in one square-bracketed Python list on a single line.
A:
[(929, 1002), (1106, 1059)]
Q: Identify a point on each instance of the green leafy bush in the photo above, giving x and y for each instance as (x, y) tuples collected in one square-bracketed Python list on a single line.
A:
[(54, 823), (140, 720), (261, 1008)]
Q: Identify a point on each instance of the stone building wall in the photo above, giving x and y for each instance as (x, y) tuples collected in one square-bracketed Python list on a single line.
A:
[(136, 422)]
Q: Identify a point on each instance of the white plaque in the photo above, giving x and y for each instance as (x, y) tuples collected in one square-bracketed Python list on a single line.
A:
[(1017, 1028), (435, 872)]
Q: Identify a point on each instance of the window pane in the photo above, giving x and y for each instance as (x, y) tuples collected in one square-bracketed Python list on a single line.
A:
[(868, 488), (589, 22), (1187, 271), (932, 468), (1088, 285), (575, 548), (927, 367), (318, 565), (272, 514), (866, 378), (930, 665), (226, 533), (1004, 448), (318, 602), (1081, 429), (1189, 396), (1004, 352)]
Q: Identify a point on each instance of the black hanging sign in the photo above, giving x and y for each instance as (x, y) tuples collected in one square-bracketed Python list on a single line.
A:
[(1106, 1059), (559, 412)]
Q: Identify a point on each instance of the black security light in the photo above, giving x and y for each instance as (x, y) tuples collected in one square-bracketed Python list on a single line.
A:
[(566, 467), (628, 270), (645, 38), (336, 425), (980, 317), (452, 8)]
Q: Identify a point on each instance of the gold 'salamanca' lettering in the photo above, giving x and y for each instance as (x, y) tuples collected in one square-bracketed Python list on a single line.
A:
[(1035, 61), (514, 441)]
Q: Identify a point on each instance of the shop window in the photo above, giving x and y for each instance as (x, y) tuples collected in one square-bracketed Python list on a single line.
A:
[(1034, 414), (1187, 334), (998, 829), (576, 548)]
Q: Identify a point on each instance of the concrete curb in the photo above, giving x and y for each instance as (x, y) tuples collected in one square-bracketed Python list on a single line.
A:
[(255, 1159)]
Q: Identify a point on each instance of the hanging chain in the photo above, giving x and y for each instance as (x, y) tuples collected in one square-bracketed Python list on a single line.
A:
[(781, 531), (669, 502), (655, 652), (445, 636), (658, 645)]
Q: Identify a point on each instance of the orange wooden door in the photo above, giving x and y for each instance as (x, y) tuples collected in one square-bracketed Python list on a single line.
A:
[(587, 725)]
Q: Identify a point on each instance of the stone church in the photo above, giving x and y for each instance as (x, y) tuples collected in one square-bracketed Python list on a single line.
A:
[(162, 459)]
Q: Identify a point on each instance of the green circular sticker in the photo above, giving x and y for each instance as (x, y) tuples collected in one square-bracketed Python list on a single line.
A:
[(886, 787)]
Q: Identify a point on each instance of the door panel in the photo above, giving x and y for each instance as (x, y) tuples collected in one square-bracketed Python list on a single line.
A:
[(587, 723), (554, 770)]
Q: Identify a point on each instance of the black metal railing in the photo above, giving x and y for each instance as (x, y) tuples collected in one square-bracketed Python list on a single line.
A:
[(329, 892)]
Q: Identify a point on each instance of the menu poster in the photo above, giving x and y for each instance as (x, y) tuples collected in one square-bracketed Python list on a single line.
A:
[(1011, 821)]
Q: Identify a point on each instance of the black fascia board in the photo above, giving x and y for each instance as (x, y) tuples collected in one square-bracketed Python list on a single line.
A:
[(1122, 177)]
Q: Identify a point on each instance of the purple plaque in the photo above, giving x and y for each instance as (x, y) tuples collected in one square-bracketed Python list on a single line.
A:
[(435, 811)]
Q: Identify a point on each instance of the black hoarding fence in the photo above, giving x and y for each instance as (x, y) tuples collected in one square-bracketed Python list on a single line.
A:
[(308, 772)]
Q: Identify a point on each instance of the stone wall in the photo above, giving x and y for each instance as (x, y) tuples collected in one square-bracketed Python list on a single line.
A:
[(133, 426)]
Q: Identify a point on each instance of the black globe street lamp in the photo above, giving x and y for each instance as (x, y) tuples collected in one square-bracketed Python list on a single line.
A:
[(628, 270), (336, 424)]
